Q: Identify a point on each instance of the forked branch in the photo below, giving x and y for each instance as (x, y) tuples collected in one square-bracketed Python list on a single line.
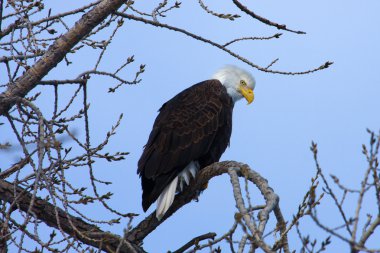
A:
[(235, 168), (93, 236)]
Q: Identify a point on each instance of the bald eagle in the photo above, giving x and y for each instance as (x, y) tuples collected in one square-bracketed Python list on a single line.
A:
[(191, 131)]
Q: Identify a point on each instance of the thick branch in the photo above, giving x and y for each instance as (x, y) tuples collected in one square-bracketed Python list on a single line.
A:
[(46, 212), (148, 225), (57, 52), (256, 234), (93, 236)]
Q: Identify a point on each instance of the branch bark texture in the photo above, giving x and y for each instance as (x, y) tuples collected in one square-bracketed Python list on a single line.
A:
[(48, 213), (148, 225), (57, 52), (91, 235)]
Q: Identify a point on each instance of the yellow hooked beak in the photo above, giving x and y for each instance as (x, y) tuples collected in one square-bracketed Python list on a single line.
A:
[(247, 93)]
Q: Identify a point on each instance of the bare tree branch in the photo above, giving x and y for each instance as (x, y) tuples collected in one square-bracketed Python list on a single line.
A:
[(195, 241), (231, 17), (16, 167), (56, 52), (145, 227), (262, 19), (277, 35), (197, 37), (37, 190), (45, 211)]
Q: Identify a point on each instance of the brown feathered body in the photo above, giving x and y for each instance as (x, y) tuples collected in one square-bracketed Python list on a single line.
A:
[(195, 125)]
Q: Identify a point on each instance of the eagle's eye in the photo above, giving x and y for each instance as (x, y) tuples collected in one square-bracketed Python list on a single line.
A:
[(242, 82)]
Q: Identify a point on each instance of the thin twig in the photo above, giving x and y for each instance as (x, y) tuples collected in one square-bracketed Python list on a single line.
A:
[(277, 35), (262, 19), (195, 241), (197, 37)]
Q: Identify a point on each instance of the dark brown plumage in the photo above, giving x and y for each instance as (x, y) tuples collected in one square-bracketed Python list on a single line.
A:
[(195, 125)]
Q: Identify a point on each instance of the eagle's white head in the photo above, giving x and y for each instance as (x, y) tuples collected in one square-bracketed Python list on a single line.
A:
[(238, 82)]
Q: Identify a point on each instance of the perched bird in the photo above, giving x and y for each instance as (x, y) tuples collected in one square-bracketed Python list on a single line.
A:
[(191, 131)]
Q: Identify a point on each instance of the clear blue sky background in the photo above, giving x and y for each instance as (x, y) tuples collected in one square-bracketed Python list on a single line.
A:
[(333, 107)]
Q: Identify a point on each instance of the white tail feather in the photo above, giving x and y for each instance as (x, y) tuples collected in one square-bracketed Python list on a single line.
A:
[(166, 198), (194, 169), (185, 175)]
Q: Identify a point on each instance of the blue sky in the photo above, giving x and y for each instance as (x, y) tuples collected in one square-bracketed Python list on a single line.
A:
[(333, 107)]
